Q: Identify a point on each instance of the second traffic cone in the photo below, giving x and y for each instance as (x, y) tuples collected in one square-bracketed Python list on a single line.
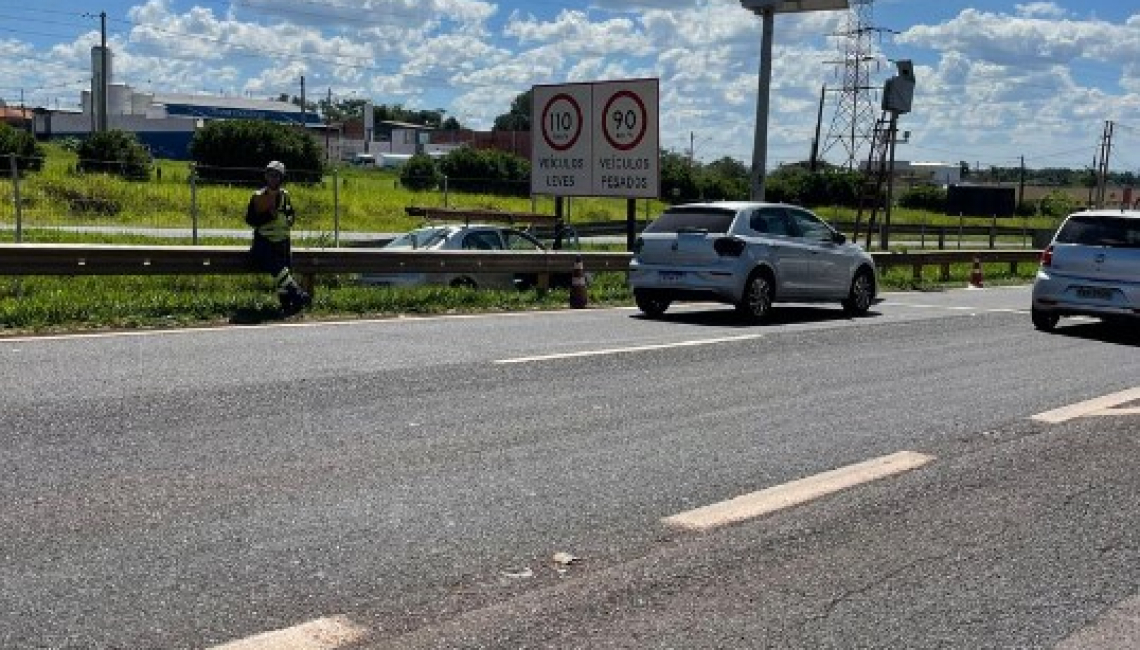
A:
[(977, 281), (578, 285)]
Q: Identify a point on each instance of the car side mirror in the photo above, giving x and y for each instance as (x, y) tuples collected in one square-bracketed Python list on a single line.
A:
[(839, 238)]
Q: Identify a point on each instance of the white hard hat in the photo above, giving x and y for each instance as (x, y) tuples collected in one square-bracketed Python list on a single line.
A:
[(276, 166)]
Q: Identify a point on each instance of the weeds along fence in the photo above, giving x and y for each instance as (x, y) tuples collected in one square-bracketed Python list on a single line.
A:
[(55, 201), (176, 200)]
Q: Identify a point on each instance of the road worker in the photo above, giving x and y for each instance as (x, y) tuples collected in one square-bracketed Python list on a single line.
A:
[(271, 215)]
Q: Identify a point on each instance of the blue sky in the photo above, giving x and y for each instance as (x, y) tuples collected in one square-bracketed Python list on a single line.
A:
[(996, 80)]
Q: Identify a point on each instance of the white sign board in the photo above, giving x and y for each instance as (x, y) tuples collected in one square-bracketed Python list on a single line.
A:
[(596, 139)]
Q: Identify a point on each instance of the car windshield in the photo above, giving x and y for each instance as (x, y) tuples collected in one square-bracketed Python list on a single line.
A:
[(1115, 232), (703, 219), (421, 238)]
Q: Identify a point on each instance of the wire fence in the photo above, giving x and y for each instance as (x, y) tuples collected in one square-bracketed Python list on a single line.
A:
[(54, 200)]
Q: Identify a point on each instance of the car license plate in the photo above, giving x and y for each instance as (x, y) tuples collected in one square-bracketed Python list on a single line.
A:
[(672, 276), (1094, 293)]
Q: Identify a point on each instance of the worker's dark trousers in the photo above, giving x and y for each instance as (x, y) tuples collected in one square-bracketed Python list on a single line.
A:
[(275, 258)]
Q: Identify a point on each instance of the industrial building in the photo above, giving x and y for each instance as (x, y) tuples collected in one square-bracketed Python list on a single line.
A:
[(165, 123)]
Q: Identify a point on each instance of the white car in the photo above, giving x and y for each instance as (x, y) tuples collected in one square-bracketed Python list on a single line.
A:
[(1091, 268), (749, 255), (473, 237)]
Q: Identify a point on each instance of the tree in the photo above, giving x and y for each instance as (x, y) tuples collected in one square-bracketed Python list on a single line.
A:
[(678, 184), (115, 152), (237, 151), (519, 118), (29, 154)]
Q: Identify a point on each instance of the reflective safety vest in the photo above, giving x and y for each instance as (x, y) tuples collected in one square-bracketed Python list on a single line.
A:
[(271, 214)]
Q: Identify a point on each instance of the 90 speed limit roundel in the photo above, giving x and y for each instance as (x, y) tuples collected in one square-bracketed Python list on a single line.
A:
[(625, 120)]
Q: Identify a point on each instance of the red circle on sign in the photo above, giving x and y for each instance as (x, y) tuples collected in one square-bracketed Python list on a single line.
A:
[(577, 131), (644, 121)]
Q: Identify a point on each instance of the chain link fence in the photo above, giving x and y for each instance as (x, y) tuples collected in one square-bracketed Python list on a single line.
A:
[(59, 202)]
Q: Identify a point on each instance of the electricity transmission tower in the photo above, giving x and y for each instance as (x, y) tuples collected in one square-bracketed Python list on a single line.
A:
[(853, 123)]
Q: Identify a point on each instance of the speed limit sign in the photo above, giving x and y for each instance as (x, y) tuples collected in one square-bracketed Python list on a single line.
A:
[(626, 156), (562, 122), (624, 120), (596, 139)]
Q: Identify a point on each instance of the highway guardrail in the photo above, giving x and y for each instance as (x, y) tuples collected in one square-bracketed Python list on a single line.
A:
[(87, 259)]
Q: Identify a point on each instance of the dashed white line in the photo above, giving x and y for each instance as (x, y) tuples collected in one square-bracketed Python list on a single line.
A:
[(797, 492), (1097, 406), (627, 350), (320, 634)]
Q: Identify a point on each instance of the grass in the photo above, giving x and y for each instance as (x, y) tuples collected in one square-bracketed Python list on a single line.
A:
[(48, 304)]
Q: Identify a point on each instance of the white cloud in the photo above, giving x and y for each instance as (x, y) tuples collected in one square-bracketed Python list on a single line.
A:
[(991, 82)]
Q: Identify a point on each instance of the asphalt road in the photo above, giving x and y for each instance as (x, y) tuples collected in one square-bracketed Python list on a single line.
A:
[(416, 476)]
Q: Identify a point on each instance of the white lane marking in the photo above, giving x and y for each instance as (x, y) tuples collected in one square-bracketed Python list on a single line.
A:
[(993, 310), (1115, 629), (321, 634), (626, 350), (797, 492), (1134, 410), (398, 319), (1088, 407)]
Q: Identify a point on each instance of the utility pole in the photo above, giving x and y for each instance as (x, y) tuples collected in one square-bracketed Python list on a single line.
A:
[(1102, 168), (1021, 184), (814, 164), (328, 123), (303, 121)]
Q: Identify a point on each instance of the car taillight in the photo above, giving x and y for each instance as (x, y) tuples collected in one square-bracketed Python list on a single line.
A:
[(1047, 256), (728, 247)]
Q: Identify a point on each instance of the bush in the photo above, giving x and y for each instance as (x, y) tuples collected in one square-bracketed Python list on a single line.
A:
[(236, 151), (487, 171), (1057, 204), (114, 152), (29, 154), (794, 184), (420, 174), (924, 197)]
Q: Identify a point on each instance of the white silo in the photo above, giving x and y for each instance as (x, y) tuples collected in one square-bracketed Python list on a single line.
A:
[(141, 102), (119, 99)]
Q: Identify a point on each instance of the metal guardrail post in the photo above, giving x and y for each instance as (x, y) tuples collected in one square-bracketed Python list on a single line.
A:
[(194, 205), (445, 192), (15, 171), (993, 232)]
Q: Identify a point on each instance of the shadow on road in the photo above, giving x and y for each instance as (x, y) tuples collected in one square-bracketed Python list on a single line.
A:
[(727, 317), (1115, 333)]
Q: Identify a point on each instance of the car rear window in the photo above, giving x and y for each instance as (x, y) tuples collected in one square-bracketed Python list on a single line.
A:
[(694, 219), (1115, 232)]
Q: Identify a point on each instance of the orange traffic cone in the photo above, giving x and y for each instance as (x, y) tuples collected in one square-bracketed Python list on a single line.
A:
[(578, 285), (976, 279)]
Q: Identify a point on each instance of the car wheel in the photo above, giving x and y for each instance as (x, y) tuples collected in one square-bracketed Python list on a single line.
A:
[(464, 283), (1044, 321), (651, 304), (756, 303), (858, 301)]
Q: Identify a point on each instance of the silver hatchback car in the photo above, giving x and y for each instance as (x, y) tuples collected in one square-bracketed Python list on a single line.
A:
[(1091, 268), (749, 255)]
